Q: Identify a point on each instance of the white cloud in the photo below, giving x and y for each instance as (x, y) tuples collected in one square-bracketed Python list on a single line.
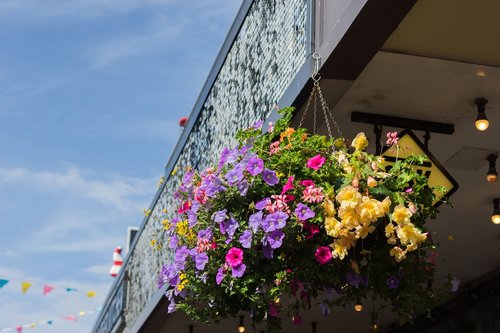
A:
[(131, 45), (118, 192)]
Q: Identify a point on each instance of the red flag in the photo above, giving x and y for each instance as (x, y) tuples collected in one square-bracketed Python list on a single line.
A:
[(47, 289), (19, 329)]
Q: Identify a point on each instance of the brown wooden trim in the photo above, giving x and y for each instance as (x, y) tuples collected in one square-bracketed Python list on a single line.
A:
[(364, 38)]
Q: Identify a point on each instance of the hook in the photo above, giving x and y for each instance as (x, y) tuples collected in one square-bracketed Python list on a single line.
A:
[(317, 61)]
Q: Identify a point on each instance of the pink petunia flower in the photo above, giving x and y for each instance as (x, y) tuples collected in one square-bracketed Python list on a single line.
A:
[(392, 138), (306, 183), (313, 194), (323, 255), (315, 162), (288, 186), (234, 257)]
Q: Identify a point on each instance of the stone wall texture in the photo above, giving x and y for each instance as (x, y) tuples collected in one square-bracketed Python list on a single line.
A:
[(266, 55)]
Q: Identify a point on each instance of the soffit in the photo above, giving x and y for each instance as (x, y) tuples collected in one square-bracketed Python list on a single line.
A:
[(461, 30)]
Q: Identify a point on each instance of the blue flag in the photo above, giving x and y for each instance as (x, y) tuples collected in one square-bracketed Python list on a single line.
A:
[(3, 283)]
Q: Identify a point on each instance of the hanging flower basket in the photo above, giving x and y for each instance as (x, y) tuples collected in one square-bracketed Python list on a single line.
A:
[(287, 220)]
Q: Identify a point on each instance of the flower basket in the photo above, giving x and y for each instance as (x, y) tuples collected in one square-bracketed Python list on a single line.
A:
[(286, 215)]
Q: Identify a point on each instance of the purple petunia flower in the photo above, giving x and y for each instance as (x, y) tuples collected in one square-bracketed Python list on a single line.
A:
[(172, 307), (205, 234), (246, 239), (220, 276), (233, 155), (257, 124), (269, 177), (255, 166), (454, 284), (201, 260), (243, 187), (230, 226), (260, 205), (238, 271), (220, 215), (234, 175), (267, 251), (173, 242), (192, 218), (325, 309), (392, 282), (356, 280), (254, 221), (274, 221), (303, 212), (275, 239), (163, 278), (181, 254), (223, 156)]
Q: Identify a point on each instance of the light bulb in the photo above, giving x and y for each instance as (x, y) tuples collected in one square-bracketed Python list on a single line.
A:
[(482, 124), (358, 307), (495, 217), (491, 177), (241, 329)]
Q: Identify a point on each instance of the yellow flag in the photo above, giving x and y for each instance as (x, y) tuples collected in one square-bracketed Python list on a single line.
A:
[(33, 325), (25, 286), (82, 313), (91, 293)]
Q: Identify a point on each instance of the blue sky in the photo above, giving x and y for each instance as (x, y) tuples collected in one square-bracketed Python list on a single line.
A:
[(90, 95)]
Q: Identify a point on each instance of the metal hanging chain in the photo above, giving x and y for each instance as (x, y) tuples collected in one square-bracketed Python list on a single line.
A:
[(315, 94)]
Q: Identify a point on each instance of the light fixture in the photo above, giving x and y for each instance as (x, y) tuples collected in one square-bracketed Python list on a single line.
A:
[(482, 122), (492, 174), (241, 326), (495, 217), (358, 306)]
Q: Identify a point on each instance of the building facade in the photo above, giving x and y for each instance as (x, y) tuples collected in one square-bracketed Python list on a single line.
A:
[(425, 60)]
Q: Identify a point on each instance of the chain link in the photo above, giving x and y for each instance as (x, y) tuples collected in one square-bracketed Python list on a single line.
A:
[(315, 94)]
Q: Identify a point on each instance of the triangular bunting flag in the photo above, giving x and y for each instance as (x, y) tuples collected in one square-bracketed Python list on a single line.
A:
[(32, 325), (50, 322), (25, 286), (19, 329), (90, 294), (47, 289), (82, 313), (3, 282), (70, 290), (70, 318)]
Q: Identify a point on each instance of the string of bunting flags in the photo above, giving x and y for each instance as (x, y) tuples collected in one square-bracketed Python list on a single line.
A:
[(72, 318), (46, 287)]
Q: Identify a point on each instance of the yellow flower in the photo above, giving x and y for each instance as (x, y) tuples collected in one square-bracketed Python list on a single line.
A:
[(397, 253), (360, 142), (182, 228), (342, 245), (389, 230), (369, 210), (409, 234), (147, 212), (152, 242), (371, 182), (174, 171), (363, 231), (349, 217), (386, 205), (401, 214), (329, 208), (332, 226), (348, 197)]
